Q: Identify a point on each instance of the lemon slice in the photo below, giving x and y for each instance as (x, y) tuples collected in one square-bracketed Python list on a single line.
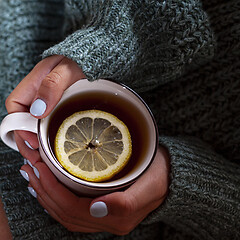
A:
[(93, 145)]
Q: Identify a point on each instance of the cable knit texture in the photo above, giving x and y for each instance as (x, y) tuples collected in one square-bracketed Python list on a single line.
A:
[(149, 42), (183, 57)]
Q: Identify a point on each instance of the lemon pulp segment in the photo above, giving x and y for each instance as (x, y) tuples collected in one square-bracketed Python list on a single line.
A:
[(93, 145)]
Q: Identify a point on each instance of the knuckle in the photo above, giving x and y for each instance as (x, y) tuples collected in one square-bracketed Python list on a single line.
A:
[(8, 102), (128, 206), (52, 80), (41, 193)]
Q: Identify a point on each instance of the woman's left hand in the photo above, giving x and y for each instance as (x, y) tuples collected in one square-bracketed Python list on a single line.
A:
[(117, 212)]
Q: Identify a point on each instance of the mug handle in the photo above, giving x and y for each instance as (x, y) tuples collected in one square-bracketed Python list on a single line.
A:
[(16, 121)]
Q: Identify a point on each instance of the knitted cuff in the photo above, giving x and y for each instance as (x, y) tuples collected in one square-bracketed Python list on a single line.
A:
[(98, 52), (140, 43), (204, 191)]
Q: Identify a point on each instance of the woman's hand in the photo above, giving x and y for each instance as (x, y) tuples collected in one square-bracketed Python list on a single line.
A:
[(38, 93), (117, 213)]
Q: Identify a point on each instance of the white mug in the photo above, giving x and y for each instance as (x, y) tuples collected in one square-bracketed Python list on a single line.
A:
[(25, 121)]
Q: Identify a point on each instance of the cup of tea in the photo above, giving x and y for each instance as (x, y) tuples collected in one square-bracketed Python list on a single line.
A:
[(105, 95)]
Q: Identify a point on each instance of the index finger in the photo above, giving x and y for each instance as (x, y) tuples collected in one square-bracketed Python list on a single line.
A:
[(59, 194), (53, 86), (67, 208), (22, 96)]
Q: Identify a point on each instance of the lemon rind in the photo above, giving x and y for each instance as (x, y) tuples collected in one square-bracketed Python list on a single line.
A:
[(94, 176)]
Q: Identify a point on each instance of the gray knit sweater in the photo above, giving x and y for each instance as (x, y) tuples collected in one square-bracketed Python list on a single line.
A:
[(183, 58)]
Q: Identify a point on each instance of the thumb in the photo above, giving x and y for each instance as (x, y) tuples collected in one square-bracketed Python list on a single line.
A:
[(123, 204), (53, 85), (142, 197), (114, 204)]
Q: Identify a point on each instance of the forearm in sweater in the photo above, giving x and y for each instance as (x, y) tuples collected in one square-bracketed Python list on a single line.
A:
[(140, 43), (204, 194)]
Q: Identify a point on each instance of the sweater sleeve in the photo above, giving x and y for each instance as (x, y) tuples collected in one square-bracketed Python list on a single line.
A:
[(140, 43), (204, 193)]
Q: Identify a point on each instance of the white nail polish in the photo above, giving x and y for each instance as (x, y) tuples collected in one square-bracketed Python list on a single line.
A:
[(25, 175), (38, 108), (32, 191), (25, 161), (99, 209), (36, 172), (28, 144), (29, 163)]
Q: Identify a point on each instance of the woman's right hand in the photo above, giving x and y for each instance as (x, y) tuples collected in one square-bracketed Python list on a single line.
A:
[(39, 92)]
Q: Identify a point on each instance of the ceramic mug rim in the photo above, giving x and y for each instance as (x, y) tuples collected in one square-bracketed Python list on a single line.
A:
[(98, 185)]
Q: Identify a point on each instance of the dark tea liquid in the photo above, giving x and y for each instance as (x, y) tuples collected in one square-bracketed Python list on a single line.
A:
[(114, 104)]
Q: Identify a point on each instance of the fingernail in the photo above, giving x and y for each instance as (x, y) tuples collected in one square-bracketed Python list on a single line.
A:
[(29, 163), (25, 175), (32, 191), (28, 144), (36, 172), (25, 161), (46, 211), (38, 108), (99, 209)]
